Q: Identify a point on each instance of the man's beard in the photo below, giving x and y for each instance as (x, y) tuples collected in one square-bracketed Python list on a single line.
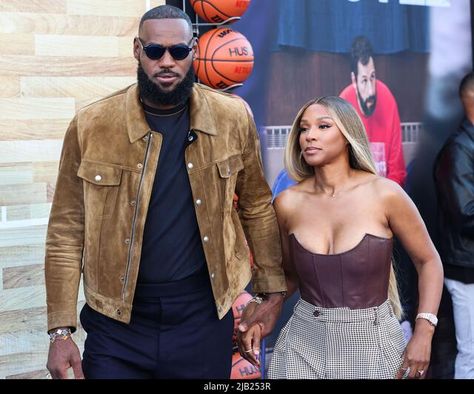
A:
[(155, 95), (363, 103)]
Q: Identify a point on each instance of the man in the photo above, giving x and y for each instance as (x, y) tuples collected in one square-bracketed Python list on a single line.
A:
[(454, 179), (144, 209), (378, 110)]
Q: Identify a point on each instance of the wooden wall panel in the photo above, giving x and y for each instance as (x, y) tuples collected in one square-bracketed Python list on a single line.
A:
[(53, 6), (27, 211), (37, 108), (23, 194), (12, 256), (55, 56), (17, 44), (80, 87), (15, 174), (26, 151), (20, 237), (33, 129), (106, 7), (23, 297), (85, 25), (10, 86), (76, 46), (61, 66), (24, 276)]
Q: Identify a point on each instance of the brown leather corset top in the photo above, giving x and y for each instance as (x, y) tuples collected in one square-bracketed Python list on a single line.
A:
[(357, 278)]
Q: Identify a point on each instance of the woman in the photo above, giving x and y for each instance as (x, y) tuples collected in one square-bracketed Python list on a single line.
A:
[(337, 226)]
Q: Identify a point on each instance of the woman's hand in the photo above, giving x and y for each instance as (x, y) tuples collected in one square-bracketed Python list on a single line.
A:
[(416, 357), (258, 320)]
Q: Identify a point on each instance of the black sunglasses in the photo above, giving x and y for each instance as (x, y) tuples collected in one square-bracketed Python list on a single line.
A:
[(156, 51)]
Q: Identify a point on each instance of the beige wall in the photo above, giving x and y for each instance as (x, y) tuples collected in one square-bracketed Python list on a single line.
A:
[(55, 57)]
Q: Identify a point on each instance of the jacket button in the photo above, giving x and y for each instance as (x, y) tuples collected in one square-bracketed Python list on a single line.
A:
[(98, 178), (145, 138), (139, 165), (190, 138), (316, 313), (190, 165), (198, 202), (122, 279), (118, 312), (206, 238), (133, 203), (212, 275), (127, 241)]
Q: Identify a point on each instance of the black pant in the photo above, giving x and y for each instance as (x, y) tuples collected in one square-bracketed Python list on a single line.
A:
[(174, 333)]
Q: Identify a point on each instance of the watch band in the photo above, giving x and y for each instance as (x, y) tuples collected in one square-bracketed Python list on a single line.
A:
[(428, 316), (60, 333)]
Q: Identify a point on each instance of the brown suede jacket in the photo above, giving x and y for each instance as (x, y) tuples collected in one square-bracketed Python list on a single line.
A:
[(105, 179)]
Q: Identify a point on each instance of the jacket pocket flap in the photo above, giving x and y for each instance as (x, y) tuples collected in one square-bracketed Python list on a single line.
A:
[(230, 166), (100, 174)]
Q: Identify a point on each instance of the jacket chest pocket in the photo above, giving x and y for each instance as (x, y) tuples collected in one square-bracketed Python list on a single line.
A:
[(101, 186), (228, 170)]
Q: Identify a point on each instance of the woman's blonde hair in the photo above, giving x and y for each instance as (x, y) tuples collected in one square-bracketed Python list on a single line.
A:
[(360, 158)]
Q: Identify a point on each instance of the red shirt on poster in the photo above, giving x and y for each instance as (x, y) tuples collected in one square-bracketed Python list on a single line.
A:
[(384, 132)]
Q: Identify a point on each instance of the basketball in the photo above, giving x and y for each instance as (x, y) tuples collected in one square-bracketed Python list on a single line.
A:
[(237, 308), (224, 57), (242, 369), (239, 304), (217, 11)]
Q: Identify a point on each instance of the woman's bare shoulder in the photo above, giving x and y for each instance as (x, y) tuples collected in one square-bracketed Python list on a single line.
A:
[(289, 197), (385, 185), (387, 190)]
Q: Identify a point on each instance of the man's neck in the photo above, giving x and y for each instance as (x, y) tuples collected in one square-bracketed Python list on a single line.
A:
[(162, 109)]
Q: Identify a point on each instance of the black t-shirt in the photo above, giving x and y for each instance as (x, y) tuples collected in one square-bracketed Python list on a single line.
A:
[(461, 274), (172, 248)]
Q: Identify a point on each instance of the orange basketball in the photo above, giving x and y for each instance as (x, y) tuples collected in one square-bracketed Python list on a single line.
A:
[(239, 304), (237, 308), (217, 11), (242, 369), (224, 57)]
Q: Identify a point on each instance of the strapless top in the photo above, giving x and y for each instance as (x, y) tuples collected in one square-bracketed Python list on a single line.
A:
[(357, 278)]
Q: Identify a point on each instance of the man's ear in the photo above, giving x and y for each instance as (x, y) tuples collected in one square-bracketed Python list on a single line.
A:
[(353, 79), (136, 49), (195, 46)]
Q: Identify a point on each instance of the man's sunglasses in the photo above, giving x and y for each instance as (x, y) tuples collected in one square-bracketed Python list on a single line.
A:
[(156, 51)]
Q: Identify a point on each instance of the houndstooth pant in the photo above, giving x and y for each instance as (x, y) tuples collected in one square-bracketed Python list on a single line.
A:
[(338, 343)]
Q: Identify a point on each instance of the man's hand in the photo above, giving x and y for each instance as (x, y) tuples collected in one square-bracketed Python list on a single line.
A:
[(64, 354), (258, 320)]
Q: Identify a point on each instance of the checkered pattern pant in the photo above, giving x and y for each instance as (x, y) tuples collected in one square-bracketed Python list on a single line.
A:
[(338, 343)]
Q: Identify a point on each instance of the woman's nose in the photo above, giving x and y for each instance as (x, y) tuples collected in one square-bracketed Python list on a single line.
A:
[(311, 135)]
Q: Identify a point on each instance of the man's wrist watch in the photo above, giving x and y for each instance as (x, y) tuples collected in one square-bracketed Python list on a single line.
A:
[(428, 316), (59, 333), (264, 296)]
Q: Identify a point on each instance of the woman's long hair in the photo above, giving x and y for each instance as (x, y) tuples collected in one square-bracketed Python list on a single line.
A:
[(360, 158)]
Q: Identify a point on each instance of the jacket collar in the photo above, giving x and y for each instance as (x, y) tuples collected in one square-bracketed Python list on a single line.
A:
[(137, 126), (200, 113), (202, 118)]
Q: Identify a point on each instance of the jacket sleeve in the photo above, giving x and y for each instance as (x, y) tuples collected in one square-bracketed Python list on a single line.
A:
[(457, 187), (396, 170), (65, 237), (258, 217)]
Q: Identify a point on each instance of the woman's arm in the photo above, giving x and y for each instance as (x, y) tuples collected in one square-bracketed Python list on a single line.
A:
[(407, 225)]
